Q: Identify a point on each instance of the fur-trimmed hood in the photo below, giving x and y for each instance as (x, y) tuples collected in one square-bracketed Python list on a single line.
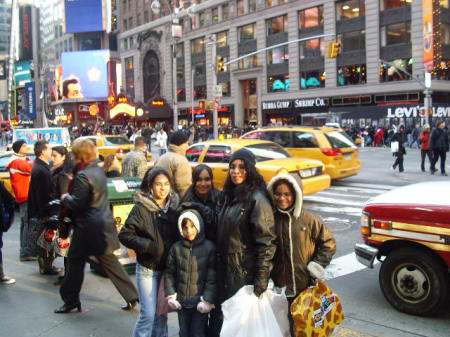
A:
[(147, 201), (296, 210), (197, 220)]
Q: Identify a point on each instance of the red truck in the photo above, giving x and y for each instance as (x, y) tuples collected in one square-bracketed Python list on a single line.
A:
[(408, 230)]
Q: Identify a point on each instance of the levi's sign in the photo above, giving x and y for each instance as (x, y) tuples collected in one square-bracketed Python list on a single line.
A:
[(414, 111)]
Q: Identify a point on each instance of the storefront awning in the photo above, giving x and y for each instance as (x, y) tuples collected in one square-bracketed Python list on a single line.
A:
[(121, 109)]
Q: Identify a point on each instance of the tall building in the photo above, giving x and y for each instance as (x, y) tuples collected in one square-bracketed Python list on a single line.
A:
[(5, 33), (378, 77)]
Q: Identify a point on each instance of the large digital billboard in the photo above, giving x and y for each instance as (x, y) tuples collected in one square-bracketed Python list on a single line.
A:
[(84, 16), (84, 74), (26, 36)]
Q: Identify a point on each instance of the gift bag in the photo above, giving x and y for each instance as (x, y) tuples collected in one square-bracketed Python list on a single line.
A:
[(45, 240), (62, 245), (394, 146), (316, 311), (245, 315)]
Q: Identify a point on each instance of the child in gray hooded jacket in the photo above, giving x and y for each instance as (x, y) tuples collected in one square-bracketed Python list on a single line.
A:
[(190, 278)]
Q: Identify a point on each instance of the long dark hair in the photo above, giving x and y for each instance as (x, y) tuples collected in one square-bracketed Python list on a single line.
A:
[(190, 193), (150, 176), (69, 163), (253, 182), (107, 163)]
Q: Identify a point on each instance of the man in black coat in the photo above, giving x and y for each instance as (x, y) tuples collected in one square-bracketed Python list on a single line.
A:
[(439, 145), (39, 196)]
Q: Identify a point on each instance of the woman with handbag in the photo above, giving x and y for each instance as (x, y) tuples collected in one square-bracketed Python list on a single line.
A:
[(94, 229), (305, 246), (150, 230)]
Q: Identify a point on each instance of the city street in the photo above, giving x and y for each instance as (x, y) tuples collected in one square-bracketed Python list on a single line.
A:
[(26, 308)]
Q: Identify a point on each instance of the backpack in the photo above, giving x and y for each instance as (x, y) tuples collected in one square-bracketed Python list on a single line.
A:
[(7, 209)]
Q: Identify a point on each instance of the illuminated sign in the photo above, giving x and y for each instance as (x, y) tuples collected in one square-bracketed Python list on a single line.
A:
[(26, 36), (84, 16), (158, 103)]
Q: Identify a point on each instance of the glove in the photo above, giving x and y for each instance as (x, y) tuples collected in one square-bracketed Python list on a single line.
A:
[(204, 307), (258, 291), (173, 303), (316, 270)]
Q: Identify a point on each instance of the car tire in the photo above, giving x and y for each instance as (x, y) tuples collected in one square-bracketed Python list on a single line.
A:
[(413, 281)]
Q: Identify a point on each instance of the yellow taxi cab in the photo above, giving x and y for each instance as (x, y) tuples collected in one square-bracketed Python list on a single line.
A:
[(112, 144), (5, 158), (271, 160), (331, 146)]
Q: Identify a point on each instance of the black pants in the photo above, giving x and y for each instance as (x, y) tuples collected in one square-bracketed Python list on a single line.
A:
[(399, 161), (424, 154), (215, 322), (439, 153), (1, 257), (192, 323), (73, 280)]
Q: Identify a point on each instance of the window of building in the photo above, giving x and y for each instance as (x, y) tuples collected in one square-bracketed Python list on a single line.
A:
[(270, 3), (278, 55), (138, 19), (350, 9), (199, 68), (146, 17), (278, 83), (225, 12), (130, 23), (311, 17), (311, 48), (352, 75), (226, 89), (202, 19), (445, 33), (125, 24), (246, 33), (396, 33), (277, 25), (198, 45), (352, 41), (200, 92), (179, 49), (180, 72), (215, 15), (388, 4), (129, 77), (240, 9), (248, 62), (444, 3), (312, 79), (222, 39), (181, 94), (396, 70), (251, 6)]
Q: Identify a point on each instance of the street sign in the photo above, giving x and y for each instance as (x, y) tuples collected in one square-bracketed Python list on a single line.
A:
[(217, 91)]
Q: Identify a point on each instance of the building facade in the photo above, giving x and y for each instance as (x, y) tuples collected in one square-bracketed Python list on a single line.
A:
[(377, 78)]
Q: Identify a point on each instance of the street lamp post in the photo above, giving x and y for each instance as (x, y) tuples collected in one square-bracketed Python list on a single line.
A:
[(176, 34)]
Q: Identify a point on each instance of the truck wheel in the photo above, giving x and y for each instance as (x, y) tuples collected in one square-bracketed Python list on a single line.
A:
[(413, 281)]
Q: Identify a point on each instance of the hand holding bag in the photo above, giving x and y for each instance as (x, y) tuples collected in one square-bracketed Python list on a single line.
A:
[(394, 146), (316, 311)]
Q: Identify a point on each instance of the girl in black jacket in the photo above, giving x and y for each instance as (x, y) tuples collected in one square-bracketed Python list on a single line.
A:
[(150, 230), (190, 278)]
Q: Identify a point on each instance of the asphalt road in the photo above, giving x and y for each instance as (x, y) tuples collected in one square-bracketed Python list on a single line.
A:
[(26, 308)]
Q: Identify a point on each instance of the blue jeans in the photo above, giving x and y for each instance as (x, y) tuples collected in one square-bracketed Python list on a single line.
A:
[(148, 324)]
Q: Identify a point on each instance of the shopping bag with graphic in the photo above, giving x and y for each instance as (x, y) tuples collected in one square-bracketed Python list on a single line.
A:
[(246, 315), (316, 311)]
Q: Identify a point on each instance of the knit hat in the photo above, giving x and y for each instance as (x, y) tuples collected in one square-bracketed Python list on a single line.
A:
[(245, 155), (177, 138), (17, 145)]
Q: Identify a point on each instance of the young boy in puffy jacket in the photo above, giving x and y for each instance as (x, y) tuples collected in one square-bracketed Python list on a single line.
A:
[(190, 279)]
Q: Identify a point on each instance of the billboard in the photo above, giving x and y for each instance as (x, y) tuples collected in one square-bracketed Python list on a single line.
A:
[(85, 74), (427, 27), (30, 96), (26, 34), (22, 73), (3, 70), (84, 16)]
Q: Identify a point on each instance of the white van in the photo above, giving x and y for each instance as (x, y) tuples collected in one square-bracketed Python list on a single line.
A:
[(55, 136)]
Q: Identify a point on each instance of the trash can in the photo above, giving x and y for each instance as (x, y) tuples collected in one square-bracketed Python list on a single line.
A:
[(120, 196)]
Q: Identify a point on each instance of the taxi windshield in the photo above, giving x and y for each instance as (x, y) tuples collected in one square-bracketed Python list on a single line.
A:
[(109, 141)]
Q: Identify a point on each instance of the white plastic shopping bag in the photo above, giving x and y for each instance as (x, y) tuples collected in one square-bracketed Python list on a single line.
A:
[(246, 315), (394, 146)]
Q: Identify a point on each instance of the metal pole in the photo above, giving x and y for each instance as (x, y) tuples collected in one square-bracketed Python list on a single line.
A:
[(214, 69), (192, 94), (427, 104), (174, 84)]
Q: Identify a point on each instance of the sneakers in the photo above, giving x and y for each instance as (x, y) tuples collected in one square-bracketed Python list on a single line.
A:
[(444, 174), (7, 280)]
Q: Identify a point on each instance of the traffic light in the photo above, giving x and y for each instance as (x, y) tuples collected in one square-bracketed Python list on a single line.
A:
[(333, 49), (220, 64), (201, 104)]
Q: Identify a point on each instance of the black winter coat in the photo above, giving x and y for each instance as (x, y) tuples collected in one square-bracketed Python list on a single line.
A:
[(246, 246), (191, 271), (439, 140), (401, 138), (60, 182), (40, 190), (150, 231), (94, 226)]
